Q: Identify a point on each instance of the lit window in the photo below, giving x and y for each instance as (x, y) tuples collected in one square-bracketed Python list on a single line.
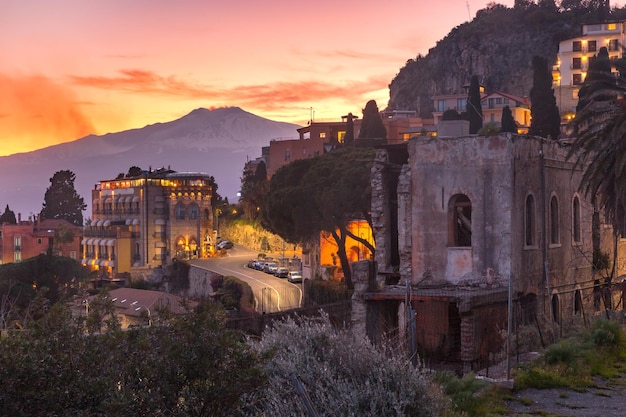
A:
[(323, 135), (577, 63), (613, 45), (611, 26), (577, 79), (591, 46)]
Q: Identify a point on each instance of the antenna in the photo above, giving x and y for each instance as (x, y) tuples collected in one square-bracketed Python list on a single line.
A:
[(469, 18)]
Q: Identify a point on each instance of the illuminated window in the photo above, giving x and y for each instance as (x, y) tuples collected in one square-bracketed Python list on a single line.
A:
[(576, 63), (613, 45), (575, 93), (577, 79), (17, 257), (323, 135), (611, 26)]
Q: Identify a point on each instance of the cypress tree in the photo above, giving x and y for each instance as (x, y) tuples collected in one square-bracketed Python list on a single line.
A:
[(372, 125), (474, 108), (508, 122), (545, 119)]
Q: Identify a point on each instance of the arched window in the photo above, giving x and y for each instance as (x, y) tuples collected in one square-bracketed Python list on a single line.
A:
[(193, 211), (556, 316), (180, 211), (529, 221), (576, 219), (460, 229), (554, 221), (578, 303)]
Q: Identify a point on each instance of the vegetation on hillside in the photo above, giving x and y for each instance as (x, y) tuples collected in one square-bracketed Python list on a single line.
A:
[(498, 46)]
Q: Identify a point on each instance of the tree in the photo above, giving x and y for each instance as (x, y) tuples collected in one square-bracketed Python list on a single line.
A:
[(134, 171), (254, 185), (318, 194), (8, 216), (599, 148), (61, 200), (474, 108), (372, 126), (349, 138), (343, 374), (508, 122), (545, 119), (599, 74)]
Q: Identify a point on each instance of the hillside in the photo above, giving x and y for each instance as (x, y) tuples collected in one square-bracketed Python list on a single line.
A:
[(497, 45)]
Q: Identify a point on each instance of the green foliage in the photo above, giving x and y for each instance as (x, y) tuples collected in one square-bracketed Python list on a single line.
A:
[(342, 374), (372, 126), (488, 129), (8, 216), (194, 366), (571, 363), (61, 200), (471, 396), (545, 117), (254, 186), (450, 114), (324, 292), (178, 276), (233, 292), (318, 194), (508, 123)]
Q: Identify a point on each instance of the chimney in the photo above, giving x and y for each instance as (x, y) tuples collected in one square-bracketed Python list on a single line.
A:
[(19, 218)]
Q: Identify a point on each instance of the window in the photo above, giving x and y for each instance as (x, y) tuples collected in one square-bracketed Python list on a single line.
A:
[(594, 28), (591, 46), (556, 309), (441, 105), (323, 135), (577, 63), (180, 211), (17, 241), (73, 254), (577, 79), (461, 104), (613, 45), (578, 303), (529, 221), (611, 26), (492, 103), (193, 211), (287, 155), (460, 230), (39, 241), (17, 257), (577, 46), (575, 93), (576, 219), (554, 221)]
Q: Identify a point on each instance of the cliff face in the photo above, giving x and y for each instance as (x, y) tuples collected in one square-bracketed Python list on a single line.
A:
[(497, 46)]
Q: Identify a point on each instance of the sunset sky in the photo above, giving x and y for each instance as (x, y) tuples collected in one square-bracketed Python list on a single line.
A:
[(69, 68)]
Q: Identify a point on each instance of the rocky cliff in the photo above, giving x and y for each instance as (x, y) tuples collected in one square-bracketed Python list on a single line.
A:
[(497, 46)]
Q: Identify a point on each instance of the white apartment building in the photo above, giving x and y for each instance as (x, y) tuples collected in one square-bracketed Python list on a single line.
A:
[(574, 55)]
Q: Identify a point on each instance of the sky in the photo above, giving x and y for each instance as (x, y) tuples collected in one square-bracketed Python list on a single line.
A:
[(69, 68)]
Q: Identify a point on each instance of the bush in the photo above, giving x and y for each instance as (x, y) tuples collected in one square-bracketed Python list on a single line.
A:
[(341, 373)]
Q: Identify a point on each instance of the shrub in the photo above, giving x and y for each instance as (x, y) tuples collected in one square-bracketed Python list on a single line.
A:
[(342, 374)]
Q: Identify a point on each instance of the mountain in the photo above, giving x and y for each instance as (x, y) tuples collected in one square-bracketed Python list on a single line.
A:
[(498, 46), (218, 142)]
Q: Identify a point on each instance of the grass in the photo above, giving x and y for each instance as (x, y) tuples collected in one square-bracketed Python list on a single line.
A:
[(573, 363)]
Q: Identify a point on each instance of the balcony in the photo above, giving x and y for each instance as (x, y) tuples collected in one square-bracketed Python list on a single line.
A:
[(17, 248)]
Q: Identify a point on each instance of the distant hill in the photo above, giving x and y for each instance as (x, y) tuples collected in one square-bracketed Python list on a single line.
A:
[(218, 142), (498, 46)]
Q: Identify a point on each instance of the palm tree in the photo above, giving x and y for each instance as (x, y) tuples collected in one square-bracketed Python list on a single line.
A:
[(599, 144)]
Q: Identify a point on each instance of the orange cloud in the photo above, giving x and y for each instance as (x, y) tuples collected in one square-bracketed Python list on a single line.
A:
[(273, 96), (38, 112)]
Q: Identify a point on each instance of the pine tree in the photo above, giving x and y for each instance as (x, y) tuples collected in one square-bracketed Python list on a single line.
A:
[(8, 216), (474, 108), (545, 119), (61, 200), (508, 122), (372, 125)]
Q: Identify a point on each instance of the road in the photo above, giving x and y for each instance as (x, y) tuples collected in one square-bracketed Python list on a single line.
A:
[(271, 294)]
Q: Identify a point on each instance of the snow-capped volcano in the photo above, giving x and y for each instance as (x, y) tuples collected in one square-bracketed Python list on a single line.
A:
[(218, 142)]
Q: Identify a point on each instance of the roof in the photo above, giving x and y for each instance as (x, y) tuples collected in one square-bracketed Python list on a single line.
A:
[(132, 301)]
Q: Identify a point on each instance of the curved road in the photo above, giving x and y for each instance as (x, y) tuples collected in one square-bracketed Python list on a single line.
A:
[(271, 294)]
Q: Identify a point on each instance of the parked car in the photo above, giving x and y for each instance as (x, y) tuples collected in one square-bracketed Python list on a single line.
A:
[(270, 267), (282, 272), (225, 244), (258, 265), (251, 263), (294, 276)]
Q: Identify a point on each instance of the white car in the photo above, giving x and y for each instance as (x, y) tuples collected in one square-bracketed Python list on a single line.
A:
[(294, 276)]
